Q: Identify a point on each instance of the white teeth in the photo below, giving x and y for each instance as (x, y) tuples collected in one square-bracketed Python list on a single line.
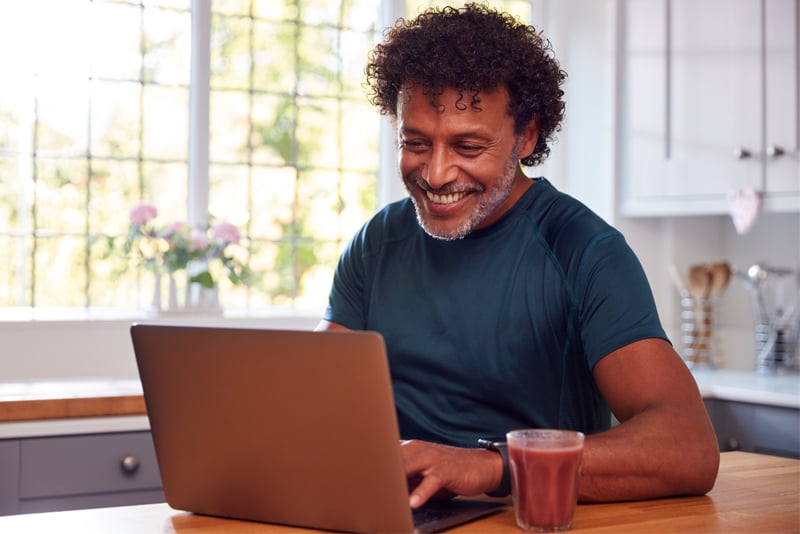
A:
[(445, 199)]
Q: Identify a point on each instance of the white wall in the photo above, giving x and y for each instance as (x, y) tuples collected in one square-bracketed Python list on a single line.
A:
[(98, 349)]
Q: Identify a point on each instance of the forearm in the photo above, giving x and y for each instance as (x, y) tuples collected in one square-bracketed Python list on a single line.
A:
[(657, 453)]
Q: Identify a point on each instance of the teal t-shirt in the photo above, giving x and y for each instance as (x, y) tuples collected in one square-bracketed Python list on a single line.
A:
[(499, 330)]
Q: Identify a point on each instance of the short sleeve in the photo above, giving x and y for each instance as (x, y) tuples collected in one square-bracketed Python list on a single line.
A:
[(617, 305), (346, 300)]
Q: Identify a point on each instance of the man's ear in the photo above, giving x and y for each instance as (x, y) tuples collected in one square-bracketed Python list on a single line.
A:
[(530, 136)]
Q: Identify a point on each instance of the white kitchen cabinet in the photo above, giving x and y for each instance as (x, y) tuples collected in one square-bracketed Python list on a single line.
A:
[(709, 105)]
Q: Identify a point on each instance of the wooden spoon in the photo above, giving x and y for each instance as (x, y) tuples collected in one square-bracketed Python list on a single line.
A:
[(720, 277), (699, 281)]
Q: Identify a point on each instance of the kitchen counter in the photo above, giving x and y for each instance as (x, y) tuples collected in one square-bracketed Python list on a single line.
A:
[(92, 405), (747, 386), (79, 406), (753, 493)]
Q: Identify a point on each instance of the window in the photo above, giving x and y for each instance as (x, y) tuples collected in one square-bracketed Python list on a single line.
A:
[(96, 113), (94, 117)]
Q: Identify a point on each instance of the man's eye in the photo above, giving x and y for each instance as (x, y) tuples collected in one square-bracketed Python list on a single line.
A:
[(412, 145), (469, 149)]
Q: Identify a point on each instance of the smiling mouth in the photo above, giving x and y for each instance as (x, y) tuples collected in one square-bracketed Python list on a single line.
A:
[(445, 199)]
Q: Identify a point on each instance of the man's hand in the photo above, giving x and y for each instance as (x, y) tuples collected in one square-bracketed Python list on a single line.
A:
[(440, 471)]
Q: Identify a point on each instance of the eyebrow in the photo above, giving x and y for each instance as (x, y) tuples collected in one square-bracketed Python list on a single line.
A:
[(471, 134)]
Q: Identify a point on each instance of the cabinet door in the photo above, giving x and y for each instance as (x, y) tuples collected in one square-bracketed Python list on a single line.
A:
[(714, 135), (693, 92), (782, 128), (9, 477)]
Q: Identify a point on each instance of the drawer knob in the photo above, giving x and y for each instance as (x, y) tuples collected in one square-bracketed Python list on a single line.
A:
[(733, 444), (129, 464), (774, 151)]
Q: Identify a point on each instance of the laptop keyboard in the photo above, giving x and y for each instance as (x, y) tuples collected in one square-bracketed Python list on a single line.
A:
[(439, 515), (425, 516)]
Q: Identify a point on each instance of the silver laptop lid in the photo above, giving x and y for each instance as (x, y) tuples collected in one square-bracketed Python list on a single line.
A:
[(290, 427)]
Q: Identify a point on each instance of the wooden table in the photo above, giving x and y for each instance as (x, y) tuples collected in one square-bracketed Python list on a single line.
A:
[(753, 493)]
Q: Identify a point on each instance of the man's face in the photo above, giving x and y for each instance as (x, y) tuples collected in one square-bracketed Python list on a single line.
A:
[(459, 164)]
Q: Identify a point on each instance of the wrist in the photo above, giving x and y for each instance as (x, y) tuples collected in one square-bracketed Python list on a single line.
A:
[(500, 447)]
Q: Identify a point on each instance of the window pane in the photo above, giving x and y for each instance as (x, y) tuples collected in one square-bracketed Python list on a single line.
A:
[(113, 281), (229, 194), (318, 211), (116, 119), (273, 196), (359, 145), (274, 56), (319, 61), (272, 139), (61, 195), (166, 126), (166, 186), (62, 111), (232, 7), (230, 52), (359, 196), (10, 193), (113, 191), (59, 271), (229, 125), (318, 123), (167, 36), (115, 41), (14, 276)]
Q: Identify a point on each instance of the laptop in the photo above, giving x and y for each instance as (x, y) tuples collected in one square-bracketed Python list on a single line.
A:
[(282, 426)]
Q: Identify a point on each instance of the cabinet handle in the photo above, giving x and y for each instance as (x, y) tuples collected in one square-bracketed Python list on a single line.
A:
[(129, 464), (742, 153), (733, 444), (775, 151)]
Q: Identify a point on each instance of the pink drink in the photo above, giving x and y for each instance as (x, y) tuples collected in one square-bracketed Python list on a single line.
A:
[(545, 467)]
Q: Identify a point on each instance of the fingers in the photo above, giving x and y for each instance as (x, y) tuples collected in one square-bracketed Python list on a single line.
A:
[(438, 471), (428, 487)]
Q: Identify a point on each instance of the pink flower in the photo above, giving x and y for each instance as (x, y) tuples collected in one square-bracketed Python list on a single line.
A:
[(226, 232), (177, 227), (199, 241), (142, 213)]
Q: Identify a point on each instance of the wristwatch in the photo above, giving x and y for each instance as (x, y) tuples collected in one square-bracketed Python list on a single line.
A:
[(504, 489)]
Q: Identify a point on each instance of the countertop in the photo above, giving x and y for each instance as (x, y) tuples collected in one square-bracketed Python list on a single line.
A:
[(747, 386), (753, 493), (71, 406), (90, 405)]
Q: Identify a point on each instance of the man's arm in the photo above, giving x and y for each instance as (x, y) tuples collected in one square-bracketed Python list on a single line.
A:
[(664, 444)]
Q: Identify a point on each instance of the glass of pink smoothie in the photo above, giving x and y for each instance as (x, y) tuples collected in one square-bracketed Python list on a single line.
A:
[(545, 468)]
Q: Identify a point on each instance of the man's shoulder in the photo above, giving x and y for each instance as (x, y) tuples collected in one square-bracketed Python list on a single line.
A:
[(396, 221), (560, 216)]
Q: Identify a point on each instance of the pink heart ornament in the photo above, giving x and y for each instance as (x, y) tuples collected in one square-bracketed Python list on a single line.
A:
[(744, 206)]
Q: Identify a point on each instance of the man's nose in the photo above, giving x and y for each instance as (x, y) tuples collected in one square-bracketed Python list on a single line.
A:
[(441, 170)]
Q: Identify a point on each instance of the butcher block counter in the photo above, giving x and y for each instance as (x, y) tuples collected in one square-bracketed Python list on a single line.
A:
[(753, 493), (44, 399)]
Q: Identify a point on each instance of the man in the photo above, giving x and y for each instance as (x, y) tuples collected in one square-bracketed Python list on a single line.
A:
[(504, 303)]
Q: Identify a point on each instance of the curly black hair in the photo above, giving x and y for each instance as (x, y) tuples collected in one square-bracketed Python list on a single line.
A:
[(471, 49)]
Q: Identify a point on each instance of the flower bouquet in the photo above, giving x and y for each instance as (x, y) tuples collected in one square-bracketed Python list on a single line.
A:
[(206, 254)]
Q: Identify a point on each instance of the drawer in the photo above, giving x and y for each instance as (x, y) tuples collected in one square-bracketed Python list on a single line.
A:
[(87, 464)]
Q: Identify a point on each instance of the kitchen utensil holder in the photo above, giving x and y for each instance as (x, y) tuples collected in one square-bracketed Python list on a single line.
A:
[(776, 348), (699, 346)]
